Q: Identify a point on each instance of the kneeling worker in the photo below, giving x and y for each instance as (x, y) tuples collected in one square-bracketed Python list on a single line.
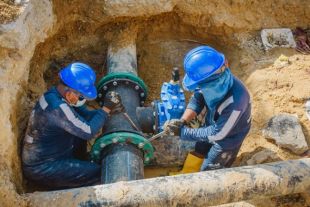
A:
[(58, 128), (228, 117)]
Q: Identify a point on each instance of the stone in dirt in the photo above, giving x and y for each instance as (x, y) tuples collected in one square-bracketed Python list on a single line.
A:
[(286, 131), (264, 156), (280, 37), (281, 62)]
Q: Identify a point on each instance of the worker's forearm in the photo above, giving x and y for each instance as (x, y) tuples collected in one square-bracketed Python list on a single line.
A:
[(188, 115)]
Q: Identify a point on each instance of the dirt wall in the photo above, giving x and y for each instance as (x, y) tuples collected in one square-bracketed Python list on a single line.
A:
[(41, 36)]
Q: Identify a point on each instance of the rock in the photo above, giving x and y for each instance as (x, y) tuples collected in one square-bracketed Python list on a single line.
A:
[(281, 62), (263, 156), (280, 37), (286, 131)]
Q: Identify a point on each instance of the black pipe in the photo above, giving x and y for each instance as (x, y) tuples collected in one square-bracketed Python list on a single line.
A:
[(131, 100), (122, 162)]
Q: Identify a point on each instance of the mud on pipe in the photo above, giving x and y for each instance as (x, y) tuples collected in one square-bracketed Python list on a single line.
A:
[(198, 189)]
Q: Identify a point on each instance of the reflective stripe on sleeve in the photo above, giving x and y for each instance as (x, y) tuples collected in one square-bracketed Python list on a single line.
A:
[(75, 121), (43, 102), (226, 128)]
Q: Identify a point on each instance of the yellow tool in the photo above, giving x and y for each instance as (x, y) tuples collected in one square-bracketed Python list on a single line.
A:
[(192, 164)]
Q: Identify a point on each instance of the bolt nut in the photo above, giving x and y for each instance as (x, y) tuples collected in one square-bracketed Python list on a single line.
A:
[(99, 95), (114, 83), (142, 94), (105, 88), (114, 140), (154, 113), (154, 127), (147, 159), (141, 145), (96, 152), (152, 104), (137, 87), (127, 82), (142, 102), (102, 145)]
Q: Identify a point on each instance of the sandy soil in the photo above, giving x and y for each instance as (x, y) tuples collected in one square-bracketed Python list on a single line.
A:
[(166, 32), (276, 89), (8, 11)]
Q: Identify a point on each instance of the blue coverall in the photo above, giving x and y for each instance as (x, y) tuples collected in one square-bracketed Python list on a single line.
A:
[(55, 130), (220, 140)]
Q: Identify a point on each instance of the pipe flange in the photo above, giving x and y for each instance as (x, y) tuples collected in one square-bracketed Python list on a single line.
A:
[(114, 79), (113, 83), (122, 137)]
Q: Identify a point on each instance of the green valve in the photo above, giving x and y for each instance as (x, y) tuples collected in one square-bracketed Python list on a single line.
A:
[(123, 137), (123, 75)]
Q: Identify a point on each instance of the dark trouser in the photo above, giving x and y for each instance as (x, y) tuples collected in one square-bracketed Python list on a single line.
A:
[(215, 156), (66, 172)]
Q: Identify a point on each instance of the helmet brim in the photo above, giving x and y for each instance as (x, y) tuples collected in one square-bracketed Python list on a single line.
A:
[(189, 84), (91, 93)]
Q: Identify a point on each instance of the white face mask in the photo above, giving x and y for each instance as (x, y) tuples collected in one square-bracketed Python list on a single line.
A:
[(79, 103)]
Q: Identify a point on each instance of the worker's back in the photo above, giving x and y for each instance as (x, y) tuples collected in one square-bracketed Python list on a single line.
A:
[(53, 126), (44, 141)]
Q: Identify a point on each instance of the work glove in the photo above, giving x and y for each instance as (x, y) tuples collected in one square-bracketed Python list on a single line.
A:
[(173, 126), (113, 102)]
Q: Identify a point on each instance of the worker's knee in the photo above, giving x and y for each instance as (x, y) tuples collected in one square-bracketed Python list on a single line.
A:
[(218, 158)]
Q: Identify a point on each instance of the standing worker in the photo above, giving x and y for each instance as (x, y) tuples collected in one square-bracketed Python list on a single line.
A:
[(58, 128), (228, 117)]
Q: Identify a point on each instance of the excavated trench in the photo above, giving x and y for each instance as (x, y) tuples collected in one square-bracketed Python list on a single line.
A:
[(161, 45), (166, 30)]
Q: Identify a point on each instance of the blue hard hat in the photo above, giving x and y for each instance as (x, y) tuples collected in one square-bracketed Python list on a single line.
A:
[(81, 78), (199, 64)]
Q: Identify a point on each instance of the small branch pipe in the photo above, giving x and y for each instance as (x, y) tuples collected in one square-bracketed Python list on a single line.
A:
[(199, 189)]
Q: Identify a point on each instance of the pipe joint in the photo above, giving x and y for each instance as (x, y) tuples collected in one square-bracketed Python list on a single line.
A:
[(129, 80), (122, 137)]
